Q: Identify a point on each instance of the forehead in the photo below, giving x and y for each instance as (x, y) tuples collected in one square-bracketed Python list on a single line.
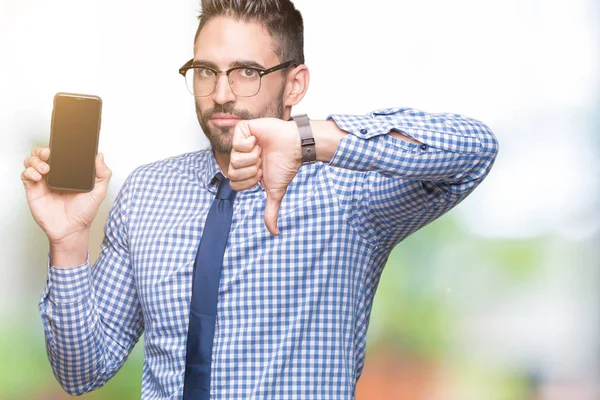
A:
[(223, 40)]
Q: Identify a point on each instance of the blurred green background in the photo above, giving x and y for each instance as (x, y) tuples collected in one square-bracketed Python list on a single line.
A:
[(497, 300)]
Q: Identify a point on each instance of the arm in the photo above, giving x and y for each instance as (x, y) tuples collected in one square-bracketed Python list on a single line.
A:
[(412, 167), (92, 317), (328, 135)]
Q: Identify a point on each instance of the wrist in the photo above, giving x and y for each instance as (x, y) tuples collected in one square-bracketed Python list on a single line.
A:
[(70, 251), (71, 241), (307, 141)]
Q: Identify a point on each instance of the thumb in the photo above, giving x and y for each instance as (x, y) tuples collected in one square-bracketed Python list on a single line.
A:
[(272, 212), (103, 174), (102, 171)]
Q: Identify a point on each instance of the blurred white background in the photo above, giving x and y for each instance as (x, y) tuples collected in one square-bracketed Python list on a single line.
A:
[(528, 69)]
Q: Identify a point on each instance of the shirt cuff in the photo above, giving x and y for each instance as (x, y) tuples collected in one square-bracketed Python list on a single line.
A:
[(67, 285)]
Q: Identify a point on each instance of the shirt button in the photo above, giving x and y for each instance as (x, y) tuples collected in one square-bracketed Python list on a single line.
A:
[(424, 147), (363, 131)]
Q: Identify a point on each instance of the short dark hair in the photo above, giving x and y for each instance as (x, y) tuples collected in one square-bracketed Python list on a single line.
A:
[(281, 19)]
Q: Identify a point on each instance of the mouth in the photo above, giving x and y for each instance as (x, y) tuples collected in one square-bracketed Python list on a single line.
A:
[(224, 120)]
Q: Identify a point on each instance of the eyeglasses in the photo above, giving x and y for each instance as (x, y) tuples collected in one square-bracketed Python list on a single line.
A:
[(244, 81)]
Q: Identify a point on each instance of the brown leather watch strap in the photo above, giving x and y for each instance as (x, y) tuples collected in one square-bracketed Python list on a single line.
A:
[(307, 141)]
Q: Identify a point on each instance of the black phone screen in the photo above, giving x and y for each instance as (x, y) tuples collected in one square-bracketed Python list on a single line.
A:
[(74, 142)]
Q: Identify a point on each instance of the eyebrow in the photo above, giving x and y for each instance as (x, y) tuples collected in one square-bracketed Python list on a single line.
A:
[(233, 64)]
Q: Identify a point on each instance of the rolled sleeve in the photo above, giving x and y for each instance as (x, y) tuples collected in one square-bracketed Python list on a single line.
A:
[(390, 187)]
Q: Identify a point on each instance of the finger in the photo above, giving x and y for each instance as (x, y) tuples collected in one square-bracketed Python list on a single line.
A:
[(34, 182), (243, 141), (244, 145), (39, 165), (42, 153), (241, 160), (248, 183), (272, 212), (29, 161), (241, 174), (30, 176)]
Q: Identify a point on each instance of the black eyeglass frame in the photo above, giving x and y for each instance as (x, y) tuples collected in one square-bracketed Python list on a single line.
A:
[(261, 72)]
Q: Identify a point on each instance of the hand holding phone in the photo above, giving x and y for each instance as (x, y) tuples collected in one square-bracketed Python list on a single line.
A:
[(62, 214)]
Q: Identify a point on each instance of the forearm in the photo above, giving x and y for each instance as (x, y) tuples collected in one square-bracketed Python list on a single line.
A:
[(390, 186), (73, 336), (448, 149), (87, 346), (328, 135)]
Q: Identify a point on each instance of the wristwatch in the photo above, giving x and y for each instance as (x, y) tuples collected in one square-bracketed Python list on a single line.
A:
[(307, 141)]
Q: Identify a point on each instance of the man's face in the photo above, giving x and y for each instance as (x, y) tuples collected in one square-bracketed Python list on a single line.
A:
[(224, 41)]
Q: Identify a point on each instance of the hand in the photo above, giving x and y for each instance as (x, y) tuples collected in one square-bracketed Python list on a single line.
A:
[(61, 214), (266, 150)]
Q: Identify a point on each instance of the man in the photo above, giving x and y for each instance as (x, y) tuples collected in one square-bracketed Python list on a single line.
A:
[(307, 240)]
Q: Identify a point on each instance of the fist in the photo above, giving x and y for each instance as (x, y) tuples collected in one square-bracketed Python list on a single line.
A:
[(265, 150)]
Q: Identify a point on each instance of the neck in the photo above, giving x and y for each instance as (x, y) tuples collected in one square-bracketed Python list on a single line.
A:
[(222, 160)]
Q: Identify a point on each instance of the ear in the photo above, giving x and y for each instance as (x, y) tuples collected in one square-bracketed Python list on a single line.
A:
[(296, 85)]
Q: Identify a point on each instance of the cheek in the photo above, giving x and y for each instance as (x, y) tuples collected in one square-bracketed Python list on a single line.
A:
[(271, 88), (269, 95), (200, 103), (252, 105)]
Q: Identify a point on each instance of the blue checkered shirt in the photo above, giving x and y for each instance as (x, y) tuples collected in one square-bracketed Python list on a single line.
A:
[(293, 309)]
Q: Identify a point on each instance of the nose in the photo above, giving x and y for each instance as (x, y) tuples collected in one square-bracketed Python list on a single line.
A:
[(223, 93)]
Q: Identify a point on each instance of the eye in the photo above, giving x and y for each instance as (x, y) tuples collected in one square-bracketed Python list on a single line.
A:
[(248, 72), (205, 72)]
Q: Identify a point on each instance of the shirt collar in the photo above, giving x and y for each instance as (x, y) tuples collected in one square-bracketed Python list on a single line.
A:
[(212, 169)]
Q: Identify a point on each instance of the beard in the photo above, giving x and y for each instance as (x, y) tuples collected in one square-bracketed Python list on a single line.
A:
[(220, 137)]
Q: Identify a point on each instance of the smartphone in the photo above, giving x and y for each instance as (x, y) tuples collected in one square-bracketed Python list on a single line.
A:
[(74, 134)]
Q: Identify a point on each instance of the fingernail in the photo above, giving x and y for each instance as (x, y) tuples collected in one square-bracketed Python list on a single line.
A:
[(44, 167)]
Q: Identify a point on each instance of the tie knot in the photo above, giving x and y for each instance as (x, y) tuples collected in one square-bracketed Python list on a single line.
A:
[(225, 192)]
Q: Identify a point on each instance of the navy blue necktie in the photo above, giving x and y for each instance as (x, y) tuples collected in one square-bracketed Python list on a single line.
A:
[(205, 286)]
